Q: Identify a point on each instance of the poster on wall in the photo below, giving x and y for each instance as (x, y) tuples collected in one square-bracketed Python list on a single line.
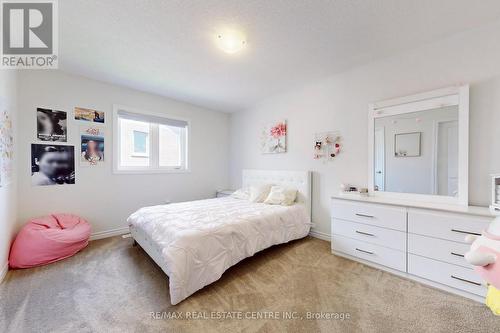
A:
[(52, 164), (91, 146), (273, 138), (6, 145), (89, 115), (51, 125)]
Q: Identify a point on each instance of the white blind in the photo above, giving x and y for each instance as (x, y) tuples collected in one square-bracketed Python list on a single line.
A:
[(152, 119)]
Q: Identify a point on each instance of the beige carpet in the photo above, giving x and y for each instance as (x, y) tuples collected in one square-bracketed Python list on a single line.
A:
[(114, 287)]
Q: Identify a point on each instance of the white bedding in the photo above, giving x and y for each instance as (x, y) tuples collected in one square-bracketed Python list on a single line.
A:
[(199, 240)]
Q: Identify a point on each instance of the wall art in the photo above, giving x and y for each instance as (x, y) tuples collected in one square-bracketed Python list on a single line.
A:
[(51, 125), (91, 146), (327, 145), (6, 145), (89, 115), (273, 138), (52, 164), (407, 144)]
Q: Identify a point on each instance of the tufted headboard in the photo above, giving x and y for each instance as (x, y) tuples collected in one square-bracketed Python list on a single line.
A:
[(301, 180)]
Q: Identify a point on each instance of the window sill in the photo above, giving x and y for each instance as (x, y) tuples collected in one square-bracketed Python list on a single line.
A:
[(152, 171)]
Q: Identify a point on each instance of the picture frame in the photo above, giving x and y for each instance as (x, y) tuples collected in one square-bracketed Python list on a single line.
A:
[(89, 115), (273, 137), (92, 145), (407, 144)]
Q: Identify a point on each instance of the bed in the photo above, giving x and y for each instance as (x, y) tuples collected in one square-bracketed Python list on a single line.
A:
[(195, 242)]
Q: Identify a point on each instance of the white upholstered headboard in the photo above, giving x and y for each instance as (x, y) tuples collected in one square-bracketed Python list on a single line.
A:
[(301, 180)]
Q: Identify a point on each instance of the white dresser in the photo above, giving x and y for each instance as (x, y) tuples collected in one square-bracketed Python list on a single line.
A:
[(417, 241)]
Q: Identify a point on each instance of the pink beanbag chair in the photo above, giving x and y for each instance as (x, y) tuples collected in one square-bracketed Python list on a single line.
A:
[(48, 239)]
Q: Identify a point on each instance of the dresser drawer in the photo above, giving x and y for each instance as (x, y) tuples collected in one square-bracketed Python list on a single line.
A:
[(439, 249), (379, 215), (451, 275), (371, 252), (450, 226), (367, 233)]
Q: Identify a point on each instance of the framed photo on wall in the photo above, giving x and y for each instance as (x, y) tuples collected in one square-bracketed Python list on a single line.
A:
[(89, 115), (273, 137), (91, 146), (407, 144), (52, 164), (51, 125)]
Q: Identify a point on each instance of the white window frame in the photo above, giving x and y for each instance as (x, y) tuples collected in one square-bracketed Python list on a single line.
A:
[(153, 137)]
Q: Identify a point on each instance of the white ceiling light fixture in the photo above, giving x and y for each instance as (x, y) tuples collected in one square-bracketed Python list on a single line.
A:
[(231, 41)]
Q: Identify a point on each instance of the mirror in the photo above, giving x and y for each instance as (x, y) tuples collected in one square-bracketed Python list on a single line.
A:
[(417, 152), (419, 146)]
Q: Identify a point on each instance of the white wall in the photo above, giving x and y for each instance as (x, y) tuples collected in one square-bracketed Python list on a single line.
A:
[(8, 196), (100, 196), (341, 103)]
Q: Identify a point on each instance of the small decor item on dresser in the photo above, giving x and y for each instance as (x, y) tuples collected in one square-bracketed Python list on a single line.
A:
[(363, 191), (326, 145), (223, 193), (273, 138), (346, 188)]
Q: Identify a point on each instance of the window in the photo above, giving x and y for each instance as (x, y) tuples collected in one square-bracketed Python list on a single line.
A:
[(149, 143), (140, 143)]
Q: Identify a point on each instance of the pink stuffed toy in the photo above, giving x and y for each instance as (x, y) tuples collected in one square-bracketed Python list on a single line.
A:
[(484, 254), (48, 239)]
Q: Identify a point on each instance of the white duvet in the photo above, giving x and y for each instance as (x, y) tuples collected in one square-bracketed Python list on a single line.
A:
[(199, 240)]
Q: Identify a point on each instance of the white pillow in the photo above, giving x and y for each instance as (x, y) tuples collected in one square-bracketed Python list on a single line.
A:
[(280, 195), (242, 193), (259, 193)]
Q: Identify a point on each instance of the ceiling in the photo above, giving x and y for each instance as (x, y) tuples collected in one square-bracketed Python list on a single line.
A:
[(168, 48)]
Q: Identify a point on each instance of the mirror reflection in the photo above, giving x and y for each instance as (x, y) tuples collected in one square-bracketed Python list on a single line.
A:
[(417, 152)]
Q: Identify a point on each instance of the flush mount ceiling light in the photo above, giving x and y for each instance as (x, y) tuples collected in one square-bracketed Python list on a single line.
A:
[(231, 41)]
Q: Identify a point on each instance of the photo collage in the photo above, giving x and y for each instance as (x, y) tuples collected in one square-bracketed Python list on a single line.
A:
[(52, 158)]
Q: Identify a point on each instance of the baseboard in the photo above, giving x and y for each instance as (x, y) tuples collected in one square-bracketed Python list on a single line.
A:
[(3, 271), (320, 235), (109, 233)]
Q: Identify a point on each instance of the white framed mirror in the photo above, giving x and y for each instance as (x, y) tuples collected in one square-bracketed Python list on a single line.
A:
[(419, 146)]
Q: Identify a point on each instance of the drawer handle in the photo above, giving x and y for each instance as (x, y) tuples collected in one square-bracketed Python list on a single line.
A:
[(364, 233), (464, 280), (364, 251), (364, 215), (457, 254), (465, 232)]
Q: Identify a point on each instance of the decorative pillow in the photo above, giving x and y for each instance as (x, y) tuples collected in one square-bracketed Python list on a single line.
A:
[(280, 195), (259, 193), (242, 193)]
